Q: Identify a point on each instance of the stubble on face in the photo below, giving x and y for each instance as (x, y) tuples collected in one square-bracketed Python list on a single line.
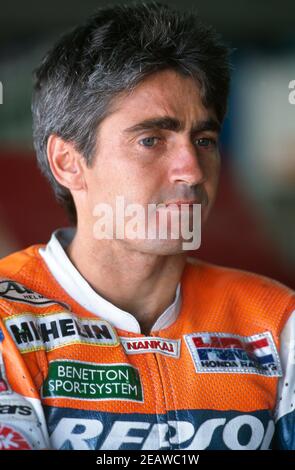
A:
[(171, 169)]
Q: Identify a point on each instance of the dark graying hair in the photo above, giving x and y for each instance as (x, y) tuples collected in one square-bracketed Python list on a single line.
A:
[(112, 52)]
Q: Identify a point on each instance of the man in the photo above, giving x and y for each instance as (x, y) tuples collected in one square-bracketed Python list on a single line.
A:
[(115, 341)]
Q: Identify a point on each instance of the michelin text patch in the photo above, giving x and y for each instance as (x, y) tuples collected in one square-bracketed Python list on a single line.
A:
[(55, 330)]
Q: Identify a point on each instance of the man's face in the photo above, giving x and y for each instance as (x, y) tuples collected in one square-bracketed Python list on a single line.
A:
[(159, 146)]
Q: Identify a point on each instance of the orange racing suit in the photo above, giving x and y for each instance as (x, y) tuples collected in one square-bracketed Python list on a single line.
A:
[(220, 377)]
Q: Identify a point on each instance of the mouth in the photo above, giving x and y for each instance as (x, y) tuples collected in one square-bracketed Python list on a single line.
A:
[(180, 203)]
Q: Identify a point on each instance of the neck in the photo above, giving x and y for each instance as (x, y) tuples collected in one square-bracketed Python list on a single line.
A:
[(139, 283)]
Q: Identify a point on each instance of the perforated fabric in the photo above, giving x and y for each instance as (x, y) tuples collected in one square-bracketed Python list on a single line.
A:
[(209, 380)]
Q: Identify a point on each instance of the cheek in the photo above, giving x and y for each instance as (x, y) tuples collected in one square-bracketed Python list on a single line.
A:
[(134, 185), (212, 171), (216, 171), (99, 187)]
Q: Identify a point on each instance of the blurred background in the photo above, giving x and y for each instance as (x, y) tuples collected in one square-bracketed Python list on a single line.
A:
[(252, 226)]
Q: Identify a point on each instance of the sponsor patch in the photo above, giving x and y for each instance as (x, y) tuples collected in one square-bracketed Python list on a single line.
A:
[(16, 292), (56, 330), (226, 352), (20, 415), (15, 409), (11, 439), (88, 381), (179, 429), (151, 344), (4, 386)]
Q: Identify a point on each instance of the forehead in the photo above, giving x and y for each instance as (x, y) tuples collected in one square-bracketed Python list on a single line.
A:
[(163, 93)]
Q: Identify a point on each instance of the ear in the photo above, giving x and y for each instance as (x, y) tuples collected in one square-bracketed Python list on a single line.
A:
[(65, 163)]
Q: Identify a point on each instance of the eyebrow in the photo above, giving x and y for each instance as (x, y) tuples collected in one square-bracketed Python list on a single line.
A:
[(174, 124)]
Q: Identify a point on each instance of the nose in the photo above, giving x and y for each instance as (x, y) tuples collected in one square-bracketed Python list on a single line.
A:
[(186, 166)]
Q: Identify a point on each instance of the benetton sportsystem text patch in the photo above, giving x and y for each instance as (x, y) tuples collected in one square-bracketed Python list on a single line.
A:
[(226, 352), (89, 381)]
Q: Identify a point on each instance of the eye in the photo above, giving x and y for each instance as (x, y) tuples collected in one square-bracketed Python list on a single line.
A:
[(206, 142), (149, 141)]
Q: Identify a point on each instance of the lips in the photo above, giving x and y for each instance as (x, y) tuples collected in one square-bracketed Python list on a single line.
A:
[(180, 203)]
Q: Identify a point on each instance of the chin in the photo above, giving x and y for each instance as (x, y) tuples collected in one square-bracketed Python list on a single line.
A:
[(159, 247)]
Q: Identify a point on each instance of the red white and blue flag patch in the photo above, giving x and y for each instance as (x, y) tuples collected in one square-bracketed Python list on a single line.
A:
[(230, 353)]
